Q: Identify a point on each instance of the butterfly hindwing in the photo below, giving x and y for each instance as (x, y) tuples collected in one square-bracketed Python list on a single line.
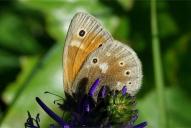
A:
[(115, 64)]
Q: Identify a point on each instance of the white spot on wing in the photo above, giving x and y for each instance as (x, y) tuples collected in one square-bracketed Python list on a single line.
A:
[(119, 85), (108, 54), (103, 67), (77, 43)]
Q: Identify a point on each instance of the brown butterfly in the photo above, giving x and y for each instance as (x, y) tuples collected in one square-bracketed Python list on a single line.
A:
[(90, 53)]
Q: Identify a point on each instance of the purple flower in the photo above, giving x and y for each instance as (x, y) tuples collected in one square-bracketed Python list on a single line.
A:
[(112, 109)]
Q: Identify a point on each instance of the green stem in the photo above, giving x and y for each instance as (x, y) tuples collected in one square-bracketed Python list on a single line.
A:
[(158, 66)]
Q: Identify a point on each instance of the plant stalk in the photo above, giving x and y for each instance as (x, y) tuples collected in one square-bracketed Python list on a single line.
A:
[(158, 72)]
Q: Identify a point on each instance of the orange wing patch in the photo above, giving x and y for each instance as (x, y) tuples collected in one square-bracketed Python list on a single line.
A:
[(78, 53)]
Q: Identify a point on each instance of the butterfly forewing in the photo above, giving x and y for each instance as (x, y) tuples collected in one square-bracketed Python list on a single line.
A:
[(85, 34)]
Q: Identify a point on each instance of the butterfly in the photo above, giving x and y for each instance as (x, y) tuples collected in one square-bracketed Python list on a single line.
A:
[(91, 53)]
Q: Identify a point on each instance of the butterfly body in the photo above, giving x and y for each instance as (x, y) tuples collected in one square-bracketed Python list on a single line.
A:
[(90, 53)]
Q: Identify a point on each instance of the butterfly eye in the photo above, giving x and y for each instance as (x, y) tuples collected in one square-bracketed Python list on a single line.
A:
[(95, 60), (121, 63), (129, 83), (127, 72), (100, 45), (82, 33)]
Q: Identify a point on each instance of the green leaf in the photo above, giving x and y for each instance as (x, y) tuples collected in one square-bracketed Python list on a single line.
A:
[(47, 76), (167, 25), (126, 4), (59, 14), (8, 61), (15, 36), (178, 109), (27, 66)]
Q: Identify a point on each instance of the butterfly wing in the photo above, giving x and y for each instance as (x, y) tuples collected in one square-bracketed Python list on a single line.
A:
[(85, 34), (115, 64)]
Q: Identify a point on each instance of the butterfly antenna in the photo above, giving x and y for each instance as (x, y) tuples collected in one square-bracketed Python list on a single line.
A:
[(58, 101), (55, 101), (47, 92)]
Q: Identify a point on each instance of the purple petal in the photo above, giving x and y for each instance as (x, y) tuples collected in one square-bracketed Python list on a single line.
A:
[(86, 106), (52, 114), (93, 87), (134, 118), (141, 125), (124, 90), (103, 92)]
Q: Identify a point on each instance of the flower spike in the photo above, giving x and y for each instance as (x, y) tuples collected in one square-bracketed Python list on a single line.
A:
[(32, 122), (112, 109)]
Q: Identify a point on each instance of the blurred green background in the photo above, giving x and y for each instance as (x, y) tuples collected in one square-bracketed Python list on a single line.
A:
[(32, 35)]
